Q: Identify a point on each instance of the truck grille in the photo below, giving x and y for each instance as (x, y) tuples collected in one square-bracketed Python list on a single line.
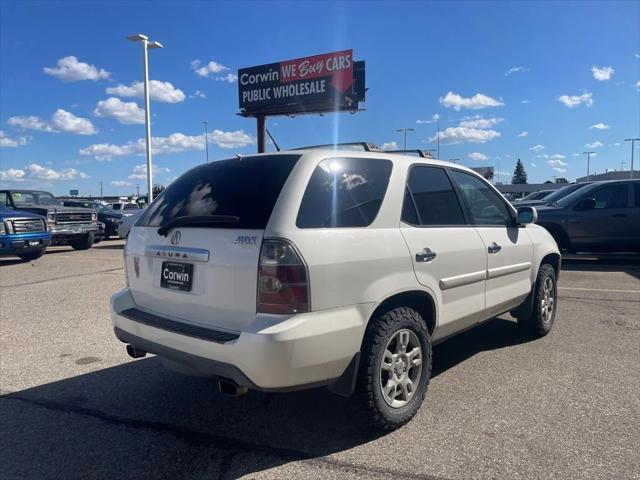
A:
[(28, 226), (73, 217)]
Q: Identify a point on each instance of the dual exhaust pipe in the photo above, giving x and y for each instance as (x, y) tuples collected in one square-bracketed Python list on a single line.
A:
[(225, 386)]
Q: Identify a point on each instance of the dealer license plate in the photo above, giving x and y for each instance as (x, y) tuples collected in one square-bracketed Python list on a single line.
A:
[(177, 276)]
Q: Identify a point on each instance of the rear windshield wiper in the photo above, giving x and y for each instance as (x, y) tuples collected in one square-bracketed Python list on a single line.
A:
[(202, 220)]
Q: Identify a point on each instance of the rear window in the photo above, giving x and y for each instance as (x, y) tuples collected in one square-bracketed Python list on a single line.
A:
[(344, 192), (243, 187)]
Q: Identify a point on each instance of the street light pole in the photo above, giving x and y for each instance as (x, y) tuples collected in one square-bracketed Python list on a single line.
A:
[(588, 154), (405, 131), (633, 141), (206, 140), (146, 45)]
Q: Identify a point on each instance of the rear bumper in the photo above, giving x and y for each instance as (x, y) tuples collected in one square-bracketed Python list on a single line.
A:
[(274, 353)]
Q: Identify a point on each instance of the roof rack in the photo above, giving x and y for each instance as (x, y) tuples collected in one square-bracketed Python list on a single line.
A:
[(358, 146), (416, 153)]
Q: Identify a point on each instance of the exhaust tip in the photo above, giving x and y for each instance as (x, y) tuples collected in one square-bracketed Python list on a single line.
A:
[(134, 352), (231, 388)]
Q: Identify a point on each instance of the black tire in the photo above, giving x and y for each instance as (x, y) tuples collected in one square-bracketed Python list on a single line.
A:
[(83, 244), (539, 321), (28, 257), (379, 333)]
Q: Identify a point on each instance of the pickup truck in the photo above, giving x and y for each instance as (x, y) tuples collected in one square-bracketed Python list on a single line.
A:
[(23, 234), (72, 226)]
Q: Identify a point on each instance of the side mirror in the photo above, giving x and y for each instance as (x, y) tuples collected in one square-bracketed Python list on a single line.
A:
[(527, 215), (586, 204)]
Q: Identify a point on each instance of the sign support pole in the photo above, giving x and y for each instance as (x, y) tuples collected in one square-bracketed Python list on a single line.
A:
[(260, 121)]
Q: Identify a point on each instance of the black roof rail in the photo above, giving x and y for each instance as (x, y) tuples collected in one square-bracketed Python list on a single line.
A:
[(363, 146), (415, 152)]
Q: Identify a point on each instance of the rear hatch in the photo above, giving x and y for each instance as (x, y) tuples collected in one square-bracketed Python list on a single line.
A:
[(194, 254)]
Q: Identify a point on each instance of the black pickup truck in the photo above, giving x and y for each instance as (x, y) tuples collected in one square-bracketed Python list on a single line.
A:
[(72, 226)]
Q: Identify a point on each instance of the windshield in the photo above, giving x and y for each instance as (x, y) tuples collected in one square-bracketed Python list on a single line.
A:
[(34, 198), (246, 188), (569, 199), (564, 191)]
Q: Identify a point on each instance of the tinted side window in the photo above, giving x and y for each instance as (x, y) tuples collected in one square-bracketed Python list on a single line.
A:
[(344, 192), (485, 205), (612, 196), (4, 199), (434, 197), (636, 186)]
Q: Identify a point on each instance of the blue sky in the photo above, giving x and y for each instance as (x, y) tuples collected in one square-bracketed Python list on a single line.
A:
[(566, 73)]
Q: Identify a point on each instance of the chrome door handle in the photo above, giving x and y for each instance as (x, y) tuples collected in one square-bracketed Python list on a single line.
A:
[(425, 255), (494, 248)]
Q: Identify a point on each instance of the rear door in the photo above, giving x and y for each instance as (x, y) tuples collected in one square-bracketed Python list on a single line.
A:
[(447, 252), (206, 273), (508, 249)]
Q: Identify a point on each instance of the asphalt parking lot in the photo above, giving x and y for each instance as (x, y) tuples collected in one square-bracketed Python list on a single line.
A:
[(74, 405)]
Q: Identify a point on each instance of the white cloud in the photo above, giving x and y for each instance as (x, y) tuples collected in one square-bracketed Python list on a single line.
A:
[(596, 144), (12, 175), (69, 69), (34, 171), (463, 134), (515, 70), (523, 134), (6, 141), (121, 183), (390, 146), (213, 69), (536, 148), (602, 73), (571, 101), (127, 113), (480, 157), (140, 171), (479, 122), (637, 85), (600, 126), (61, 121), (557, 163), (478, 101), (159, 91), (174, 143), (198, 94), (525, 101), (533, 165), (615, 144)]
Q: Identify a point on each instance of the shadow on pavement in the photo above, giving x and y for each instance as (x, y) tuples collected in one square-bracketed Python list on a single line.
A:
[(626, 262), (138, 420)]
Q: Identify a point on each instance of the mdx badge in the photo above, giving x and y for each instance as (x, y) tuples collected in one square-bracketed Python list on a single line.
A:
[(245, 240), (175, 237)]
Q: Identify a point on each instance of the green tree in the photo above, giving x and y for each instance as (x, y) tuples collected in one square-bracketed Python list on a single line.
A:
[(158, 188), (519, 174)]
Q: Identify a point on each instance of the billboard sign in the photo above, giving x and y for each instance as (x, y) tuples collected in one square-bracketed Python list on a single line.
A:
[(73, 193), (321, 83)]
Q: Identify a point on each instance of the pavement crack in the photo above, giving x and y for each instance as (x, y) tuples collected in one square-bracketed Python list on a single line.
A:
[(229, 444)]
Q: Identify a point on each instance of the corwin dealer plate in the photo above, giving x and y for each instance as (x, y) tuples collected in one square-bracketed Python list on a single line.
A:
[(177, 276)]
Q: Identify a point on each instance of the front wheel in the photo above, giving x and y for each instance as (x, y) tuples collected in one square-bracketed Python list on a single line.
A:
[(396, 366), (28, 257), (85, 243), (539, 321)]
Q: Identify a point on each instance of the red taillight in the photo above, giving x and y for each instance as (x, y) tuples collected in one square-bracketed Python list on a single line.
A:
[(282, 279)]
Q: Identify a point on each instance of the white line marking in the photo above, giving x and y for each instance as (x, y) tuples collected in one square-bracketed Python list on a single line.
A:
[(598, 290)]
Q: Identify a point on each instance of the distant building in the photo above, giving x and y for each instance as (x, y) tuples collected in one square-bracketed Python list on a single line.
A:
[(615, 175)]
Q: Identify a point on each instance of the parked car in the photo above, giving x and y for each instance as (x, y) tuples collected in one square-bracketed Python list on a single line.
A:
[(106, 215), (324, 267), (602, 216), (127, 222), (23, 234), (539, 195), (124, 206), (68, 225), (553, 197)]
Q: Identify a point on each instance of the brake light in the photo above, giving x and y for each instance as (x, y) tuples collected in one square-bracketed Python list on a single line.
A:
[(282, 279)]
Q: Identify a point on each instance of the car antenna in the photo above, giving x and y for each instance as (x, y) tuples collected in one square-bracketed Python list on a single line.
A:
[(272, 139)]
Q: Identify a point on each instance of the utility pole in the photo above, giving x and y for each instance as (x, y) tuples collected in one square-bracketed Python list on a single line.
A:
[(588, 154), (206, 140), (138, 190), (405, 131), (633, 141), (146, 45)]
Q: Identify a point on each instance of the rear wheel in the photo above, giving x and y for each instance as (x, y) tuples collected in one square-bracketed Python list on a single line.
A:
[(395, 368), (85, 243), (539, 320), (28, 257)]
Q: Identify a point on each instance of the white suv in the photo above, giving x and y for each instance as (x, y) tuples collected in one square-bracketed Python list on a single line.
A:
[(287, 271)]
